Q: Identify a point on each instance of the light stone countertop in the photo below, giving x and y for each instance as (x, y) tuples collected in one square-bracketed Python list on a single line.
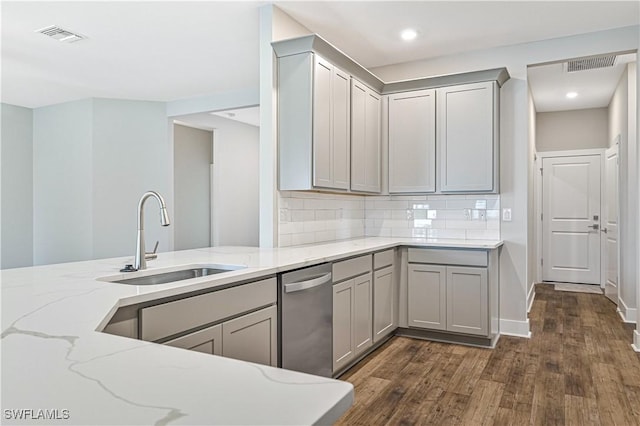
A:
[(54, 356)]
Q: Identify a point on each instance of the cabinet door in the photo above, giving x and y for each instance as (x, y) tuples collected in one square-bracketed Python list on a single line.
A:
[(365, 138), (466, 139), (343, 320), (427, 293), (322, 153), (363, 315), (252, 337), (383, 303), (412, 142), (208, 341), (467, 304), (341, 128)]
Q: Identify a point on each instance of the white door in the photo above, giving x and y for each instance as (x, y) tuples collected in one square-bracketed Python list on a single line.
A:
[(610, 224), (571, 219)]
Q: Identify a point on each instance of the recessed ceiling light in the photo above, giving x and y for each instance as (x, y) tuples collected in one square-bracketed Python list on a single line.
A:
[(572, 95), (408, 34)]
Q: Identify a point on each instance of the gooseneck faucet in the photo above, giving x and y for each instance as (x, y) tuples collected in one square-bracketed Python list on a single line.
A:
[(140, 261)]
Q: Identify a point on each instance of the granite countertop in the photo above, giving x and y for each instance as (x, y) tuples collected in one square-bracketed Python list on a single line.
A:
[(55, 358)]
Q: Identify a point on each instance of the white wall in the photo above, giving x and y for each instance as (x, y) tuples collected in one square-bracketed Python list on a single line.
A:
[(16, 146), (192, 156), (92, 161), (62, 182), (570, 130), (515, 152), (236, 183), (622, 112), (532, 219)]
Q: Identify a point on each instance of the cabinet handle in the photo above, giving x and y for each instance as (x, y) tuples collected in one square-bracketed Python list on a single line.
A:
[(305, 285)]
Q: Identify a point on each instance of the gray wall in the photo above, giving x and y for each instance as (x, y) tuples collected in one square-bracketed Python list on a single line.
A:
[(17, 187), (92, 160), (192, 154), (575, 129), (131, 155), (236, 176), (62, 182)]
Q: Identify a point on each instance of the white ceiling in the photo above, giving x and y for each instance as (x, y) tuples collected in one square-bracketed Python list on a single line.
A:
[(550, 83), (211, 120), (172, 50)]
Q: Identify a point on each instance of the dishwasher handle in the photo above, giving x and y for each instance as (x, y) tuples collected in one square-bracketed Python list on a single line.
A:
[(305, 285)]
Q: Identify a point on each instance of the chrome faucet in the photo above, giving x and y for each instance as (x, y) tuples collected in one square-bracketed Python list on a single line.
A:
[(140, 261)]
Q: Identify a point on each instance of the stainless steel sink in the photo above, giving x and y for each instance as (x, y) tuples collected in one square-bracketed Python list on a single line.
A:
[(183, 274)]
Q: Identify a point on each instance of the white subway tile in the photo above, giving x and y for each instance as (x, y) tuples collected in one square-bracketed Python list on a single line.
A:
[(284, 240), (461, 204), (302, 215), (458, 234), (325, 236), (392, 205), (466, 224), (490, 234), (325, 214), (304, 238), (401, 233), (408, 197), (314, 226), (401, 214), (378, 214)]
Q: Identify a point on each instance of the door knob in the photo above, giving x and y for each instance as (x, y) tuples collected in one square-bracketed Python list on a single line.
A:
[(604, 230), (595, 226)]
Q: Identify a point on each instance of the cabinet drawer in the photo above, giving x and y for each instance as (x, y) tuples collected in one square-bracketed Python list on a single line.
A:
[(157, 322), (383, 258), (351, 268), (449, 257)]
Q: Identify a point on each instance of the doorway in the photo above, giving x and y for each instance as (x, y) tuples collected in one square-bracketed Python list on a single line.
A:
[(576, 109), (227, 180)]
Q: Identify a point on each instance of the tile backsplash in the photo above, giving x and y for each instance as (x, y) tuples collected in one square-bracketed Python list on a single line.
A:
[(313, 217), (471, 217)]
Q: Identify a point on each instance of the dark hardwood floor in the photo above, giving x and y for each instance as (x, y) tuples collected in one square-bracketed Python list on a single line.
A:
[(578, 368)]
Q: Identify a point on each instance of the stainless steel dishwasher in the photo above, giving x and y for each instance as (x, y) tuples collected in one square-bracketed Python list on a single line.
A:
[(305, 318)]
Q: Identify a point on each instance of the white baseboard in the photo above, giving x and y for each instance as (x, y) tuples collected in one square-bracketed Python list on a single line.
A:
[(531, 296), (515, 328), (628, 315), (636, 341)]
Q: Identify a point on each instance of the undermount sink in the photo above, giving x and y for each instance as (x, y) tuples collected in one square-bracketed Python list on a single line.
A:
[(179, 275)]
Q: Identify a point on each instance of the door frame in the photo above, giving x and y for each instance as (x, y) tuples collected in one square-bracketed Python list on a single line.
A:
[(603, 237), (540, 156)]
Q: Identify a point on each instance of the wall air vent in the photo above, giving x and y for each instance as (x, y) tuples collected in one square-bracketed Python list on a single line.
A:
[(60, 34), (591, 63)]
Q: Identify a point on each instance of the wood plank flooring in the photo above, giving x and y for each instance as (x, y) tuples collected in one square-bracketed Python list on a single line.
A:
[(578, 368)]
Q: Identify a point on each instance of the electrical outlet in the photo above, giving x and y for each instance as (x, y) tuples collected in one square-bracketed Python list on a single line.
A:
[(467, 214), (506, 215), (409, 214)]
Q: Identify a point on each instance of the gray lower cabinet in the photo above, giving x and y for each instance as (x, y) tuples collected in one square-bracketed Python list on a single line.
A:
[(385, 302), (452, 298), (238, 322), (427, 296), (208, 341), (343, 319), (352, 310), (252, 337)]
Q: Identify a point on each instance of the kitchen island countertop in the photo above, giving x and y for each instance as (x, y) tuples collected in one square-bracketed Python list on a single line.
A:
[(57, 367)]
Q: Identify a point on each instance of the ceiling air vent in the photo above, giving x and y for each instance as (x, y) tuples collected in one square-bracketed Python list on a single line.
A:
[(60, 34), (591, 63)]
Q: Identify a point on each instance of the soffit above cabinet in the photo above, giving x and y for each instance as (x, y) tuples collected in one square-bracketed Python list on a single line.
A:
[(316, 44)]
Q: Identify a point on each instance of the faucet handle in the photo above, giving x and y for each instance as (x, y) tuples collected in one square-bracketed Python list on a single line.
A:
[(153, 254)]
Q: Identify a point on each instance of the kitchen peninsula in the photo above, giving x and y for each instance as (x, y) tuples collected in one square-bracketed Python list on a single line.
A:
[(55, 357)]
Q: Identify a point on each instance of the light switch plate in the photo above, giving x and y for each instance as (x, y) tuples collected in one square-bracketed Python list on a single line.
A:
[(506, 215)]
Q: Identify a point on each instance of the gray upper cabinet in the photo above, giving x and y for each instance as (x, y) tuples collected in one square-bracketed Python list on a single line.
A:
[(365, 138), (313, 123), (467, 137), (412, 142)]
